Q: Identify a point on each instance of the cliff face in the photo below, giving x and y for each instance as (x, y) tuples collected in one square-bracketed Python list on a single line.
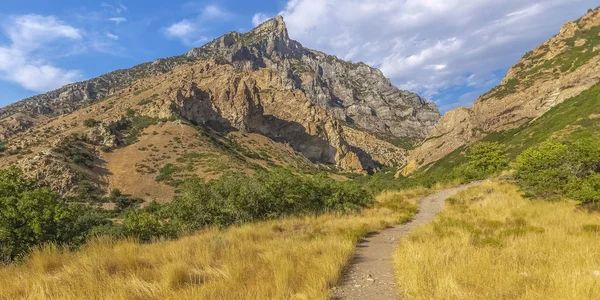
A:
[(558, 69), (355, 94), (226, 99)]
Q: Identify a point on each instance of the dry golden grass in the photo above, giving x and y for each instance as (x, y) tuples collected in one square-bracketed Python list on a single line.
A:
[(295, 258), (490, 243)]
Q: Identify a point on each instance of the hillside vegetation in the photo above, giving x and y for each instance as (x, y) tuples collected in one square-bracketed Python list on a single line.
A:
[(575, 119), (31, 215), (491, 243), (292, 258)]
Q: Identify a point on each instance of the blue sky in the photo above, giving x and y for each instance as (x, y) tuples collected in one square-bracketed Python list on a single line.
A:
[(449, 51)]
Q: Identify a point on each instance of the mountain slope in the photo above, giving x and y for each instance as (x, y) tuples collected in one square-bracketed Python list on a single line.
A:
[(354, 93), (240, 103), (559, 69)]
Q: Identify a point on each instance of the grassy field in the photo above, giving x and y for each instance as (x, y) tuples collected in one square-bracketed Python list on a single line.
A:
[(490, 243), (294, 258)]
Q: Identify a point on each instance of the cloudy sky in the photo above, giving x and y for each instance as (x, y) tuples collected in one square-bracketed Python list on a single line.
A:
[(448, 51)]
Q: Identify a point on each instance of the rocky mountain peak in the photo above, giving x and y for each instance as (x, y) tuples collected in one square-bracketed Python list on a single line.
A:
[(274, 27), (263, 46)]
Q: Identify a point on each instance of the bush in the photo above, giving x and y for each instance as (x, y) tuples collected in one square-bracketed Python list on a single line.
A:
[(90, 122), (166, 173), (31, 216), (484, 159), (123, 201), (133, 127), (555, 169), (236, 199), (147, 226)]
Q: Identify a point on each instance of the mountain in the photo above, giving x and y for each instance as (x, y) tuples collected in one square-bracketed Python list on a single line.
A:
[(561, 68), (355, 94), (237, 104)]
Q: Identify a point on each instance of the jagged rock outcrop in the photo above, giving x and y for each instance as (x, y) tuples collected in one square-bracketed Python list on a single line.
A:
[(49, 169), (225, 98), (558, 69), (354, 93), (103, 135)]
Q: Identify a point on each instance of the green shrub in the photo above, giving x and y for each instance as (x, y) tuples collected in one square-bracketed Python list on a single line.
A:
[(130, 113), (483, 160), (166, 173), (31, 216), (77, 149), (123, 201), (555, 169), (236, 199), (133, 127), (147, 226)]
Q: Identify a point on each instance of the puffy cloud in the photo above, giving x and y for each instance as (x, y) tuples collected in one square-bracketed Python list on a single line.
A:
[(181, 29), (432, 47), (24, 61), (33, 31)]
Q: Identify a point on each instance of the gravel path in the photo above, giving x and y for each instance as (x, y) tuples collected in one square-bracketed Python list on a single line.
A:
[(370, 274)]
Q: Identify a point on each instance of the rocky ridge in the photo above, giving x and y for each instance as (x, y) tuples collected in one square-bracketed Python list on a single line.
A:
[(558, 69), (355, 94)]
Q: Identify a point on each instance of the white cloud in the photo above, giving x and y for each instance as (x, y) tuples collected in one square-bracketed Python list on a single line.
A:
[(118, 20), (191, 31), (32, 38), (430, 46), (181, 29), (33, 31), (259, 18), (112, 36), (43, 78)]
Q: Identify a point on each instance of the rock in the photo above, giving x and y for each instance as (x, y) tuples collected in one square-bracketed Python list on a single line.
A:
[(527, 92), (49, 169), (353, 93), (103, 135)]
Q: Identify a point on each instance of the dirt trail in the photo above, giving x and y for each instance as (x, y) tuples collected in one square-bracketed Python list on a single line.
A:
[(370, 274)]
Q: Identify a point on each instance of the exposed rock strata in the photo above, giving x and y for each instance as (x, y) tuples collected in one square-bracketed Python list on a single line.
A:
[(558, 69)]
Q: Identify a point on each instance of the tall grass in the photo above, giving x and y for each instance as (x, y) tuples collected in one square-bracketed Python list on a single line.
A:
[(293, 258), (491, 243)]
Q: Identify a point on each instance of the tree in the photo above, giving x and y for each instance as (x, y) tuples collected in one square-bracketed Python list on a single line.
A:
[(555, 169), (541, 170), (30, 216), (484, 159)]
